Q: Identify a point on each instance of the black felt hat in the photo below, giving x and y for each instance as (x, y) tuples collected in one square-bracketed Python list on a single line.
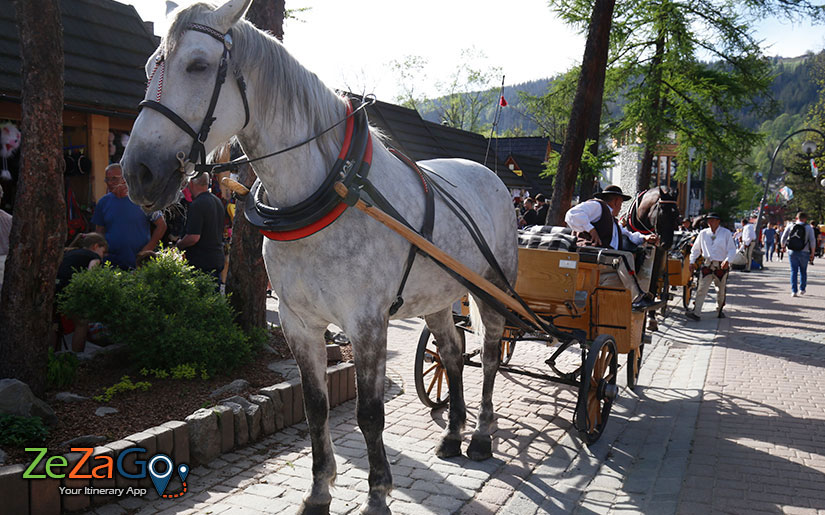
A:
[(612, 190), (713, 215)]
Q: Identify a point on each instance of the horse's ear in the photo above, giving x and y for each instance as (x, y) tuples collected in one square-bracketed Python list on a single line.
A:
[(229, 13)]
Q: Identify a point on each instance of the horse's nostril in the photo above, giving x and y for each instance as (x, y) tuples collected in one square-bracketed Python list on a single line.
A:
[(144, 174)]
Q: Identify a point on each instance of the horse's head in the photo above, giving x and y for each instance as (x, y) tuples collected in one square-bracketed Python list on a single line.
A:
[(665, 217), (188, 111)]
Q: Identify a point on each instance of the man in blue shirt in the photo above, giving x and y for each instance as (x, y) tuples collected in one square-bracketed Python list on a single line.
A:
[(769, 239), (126, 227)]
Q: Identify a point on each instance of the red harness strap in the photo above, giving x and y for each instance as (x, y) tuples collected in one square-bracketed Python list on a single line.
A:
[(333, 215)]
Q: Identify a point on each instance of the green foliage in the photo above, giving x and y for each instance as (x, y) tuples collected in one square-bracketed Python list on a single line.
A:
[(592, 164), (166, 312), (17, 431), (124, 385), (61, 369)]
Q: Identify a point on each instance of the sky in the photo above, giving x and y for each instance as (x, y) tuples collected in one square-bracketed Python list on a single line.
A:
[(351, 44)]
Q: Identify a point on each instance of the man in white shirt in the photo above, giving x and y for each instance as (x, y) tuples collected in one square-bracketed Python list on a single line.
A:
[(595, 224), (800, 241), (715, 246), (748, 241)]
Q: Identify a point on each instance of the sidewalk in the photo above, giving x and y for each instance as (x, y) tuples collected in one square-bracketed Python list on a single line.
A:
[(726, 421)]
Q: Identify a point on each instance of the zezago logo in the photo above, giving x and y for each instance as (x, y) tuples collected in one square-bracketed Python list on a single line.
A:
[(159, 468)]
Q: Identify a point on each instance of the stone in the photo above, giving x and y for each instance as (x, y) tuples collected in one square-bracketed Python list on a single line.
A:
[(334, 352), (84, 441), (226, 424), (287, 368), (105, 410), (239, 418), (267, 413), (204, 436), (285, 392), (70, 397), (81, 501), (236, 386), (274, 394), (17, 398), (164, 438), (102, 483), (14, 490), (146, 441), (2, 456), (253, 415), (297, 400), (180, 437)]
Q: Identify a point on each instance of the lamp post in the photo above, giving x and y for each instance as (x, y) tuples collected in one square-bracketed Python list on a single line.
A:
[(808, 147), (691, 152)]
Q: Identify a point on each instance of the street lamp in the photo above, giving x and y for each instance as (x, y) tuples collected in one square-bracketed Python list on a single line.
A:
[(808, 147), (691, 152)]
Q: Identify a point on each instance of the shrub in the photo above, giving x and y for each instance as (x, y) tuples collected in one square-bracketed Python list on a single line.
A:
[(124, 385), (17, 431), (61, 369), (166, 312)]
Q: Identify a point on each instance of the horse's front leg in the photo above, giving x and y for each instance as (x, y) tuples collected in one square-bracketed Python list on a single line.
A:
[(442, 326), (369, 346), (305, 339)]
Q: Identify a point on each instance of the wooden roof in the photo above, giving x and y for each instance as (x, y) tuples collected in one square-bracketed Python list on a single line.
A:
[(106, 46)]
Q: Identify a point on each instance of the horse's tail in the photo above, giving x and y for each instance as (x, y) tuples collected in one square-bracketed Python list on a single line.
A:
[(475, 318)]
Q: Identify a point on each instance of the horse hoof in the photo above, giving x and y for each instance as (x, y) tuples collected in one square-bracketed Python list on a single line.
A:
[(313, 509), (375, 506), (652, 326), (481, 448), (449, 448)]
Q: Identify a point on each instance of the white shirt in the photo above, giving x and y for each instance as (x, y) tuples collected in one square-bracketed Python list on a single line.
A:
[(581, 217), (748, 234), (810, 239), (712, 246)]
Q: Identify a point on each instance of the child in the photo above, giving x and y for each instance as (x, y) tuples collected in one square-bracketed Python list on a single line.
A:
[(85, 251)]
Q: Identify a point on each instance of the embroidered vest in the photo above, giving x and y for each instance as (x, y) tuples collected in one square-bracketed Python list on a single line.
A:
[(604, 228)]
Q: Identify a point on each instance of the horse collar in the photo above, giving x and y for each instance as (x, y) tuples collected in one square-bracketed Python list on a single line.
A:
[(197, 154), (324, 206)]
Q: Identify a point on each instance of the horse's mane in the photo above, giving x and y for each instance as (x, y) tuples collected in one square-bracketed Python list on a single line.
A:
[(292, 91)]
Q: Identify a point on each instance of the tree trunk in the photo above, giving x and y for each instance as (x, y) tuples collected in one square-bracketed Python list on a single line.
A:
[(588, 181), (588, 97), (653, 131), (247, 278), (39, 226)]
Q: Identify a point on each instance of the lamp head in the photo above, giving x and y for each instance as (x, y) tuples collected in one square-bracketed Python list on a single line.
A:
[(691, 152), (809, 147)]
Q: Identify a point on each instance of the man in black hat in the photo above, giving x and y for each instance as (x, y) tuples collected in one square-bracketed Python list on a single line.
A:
[(595, 224), (715, 245)]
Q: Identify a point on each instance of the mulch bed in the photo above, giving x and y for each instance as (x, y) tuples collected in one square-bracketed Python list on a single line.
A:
[(165, 400)]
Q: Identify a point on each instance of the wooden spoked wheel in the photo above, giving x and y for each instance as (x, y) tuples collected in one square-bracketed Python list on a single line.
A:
[(431, 383), (598, 388), (508, 344)]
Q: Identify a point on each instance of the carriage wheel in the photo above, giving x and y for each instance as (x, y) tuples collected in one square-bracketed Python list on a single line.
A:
[(634, 364), (508, 344), (665, 293), (431, 382), (598, 388), (687, 294)]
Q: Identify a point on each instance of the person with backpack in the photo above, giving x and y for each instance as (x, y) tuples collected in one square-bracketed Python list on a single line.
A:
[(799, 239)]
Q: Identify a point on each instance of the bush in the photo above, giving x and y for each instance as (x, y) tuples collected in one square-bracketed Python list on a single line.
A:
[(61, 369), (124, 385), (17, 431), (166, 312)]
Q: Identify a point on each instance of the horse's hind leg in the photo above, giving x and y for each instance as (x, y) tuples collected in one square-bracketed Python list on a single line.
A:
[(442, 326), (305, 342), (369, 345), (481, 445)]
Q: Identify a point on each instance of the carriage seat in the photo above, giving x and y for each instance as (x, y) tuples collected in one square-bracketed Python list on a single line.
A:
[(547, 237)]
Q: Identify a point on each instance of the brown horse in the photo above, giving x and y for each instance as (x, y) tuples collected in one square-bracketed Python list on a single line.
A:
[(655, 211)]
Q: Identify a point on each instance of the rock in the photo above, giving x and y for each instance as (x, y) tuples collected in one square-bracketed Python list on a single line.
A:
[(84, 441), (241, 427), (267, 412), (2, 457), (204, 436), (104, 410), (236, 386), (288, 368), (17, 398), (253, 415), (70, 397)]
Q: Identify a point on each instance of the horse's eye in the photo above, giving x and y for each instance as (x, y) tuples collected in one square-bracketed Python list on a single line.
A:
[(197, 66)]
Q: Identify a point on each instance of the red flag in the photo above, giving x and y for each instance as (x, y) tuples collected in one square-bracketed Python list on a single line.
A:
[(502, 102)]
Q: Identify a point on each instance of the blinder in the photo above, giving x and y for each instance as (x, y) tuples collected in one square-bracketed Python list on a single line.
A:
[(197, 154)]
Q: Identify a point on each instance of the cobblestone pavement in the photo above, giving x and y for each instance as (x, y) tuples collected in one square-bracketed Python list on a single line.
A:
[(727, 418)]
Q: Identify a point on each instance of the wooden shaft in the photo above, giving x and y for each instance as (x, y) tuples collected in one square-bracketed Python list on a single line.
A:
[(441, 256), (235, 186)]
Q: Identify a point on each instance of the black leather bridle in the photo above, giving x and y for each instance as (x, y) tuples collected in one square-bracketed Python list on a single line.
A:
[(197, 154)]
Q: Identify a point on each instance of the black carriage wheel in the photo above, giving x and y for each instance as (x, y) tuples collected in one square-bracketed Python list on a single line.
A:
[(665, 293), (431, 382), (598, 388), (508, 344), (634, 364), (687, 294)]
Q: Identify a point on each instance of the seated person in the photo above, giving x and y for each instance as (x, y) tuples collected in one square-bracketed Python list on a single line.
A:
[(84, 252), (595, 224)]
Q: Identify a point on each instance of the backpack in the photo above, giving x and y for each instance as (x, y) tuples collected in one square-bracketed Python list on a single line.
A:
[(797, 237)]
